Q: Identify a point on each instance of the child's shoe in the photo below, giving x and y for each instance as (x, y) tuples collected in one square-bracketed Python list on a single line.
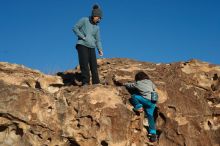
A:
[(152, 137), (140, 110)]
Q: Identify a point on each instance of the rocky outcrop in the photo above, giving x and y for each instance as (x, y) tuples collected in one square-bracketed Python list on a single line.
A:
[(39, 110), (14, 74)]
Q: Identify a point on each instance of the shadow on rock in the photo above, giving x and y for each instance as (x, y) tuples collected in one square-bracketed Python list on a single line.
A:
[(70, 78)]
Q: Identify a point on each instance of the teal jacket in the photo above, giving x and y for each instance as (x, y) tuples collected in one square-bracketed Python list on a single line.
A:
[(88, 33), (145, 87)]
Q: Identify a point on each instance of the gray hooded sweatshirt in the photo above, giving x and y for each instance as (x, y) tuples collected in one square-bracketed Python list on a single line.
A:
[(145, 87), (88, 33)]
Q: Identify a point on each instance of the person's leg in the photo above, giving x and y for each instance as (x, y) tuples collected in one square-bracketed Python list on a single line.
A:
[(139, 101), (149, 111), (135, 102), (83, 56), (93, 66)]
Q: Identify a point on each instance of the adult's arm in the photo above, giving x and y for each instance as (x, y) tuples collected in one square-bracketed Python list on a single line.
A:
[(98, 40), (78, 25)]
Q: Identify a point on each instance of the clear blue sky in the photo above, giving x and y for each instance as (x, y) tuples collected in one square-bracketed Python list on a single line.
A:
[(38, 33)]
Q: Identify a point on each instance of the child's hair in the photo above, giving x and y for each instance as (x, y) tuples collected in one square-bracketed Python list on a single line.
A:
[(141, 76)]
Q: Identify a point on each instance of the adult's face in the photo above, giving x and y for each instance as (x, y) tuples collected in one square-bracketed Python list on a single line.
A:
[(96, 19)]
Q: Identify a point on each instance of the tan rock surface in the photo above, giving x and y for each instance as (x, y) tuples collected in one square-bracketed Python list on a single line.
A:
[(39, 110)]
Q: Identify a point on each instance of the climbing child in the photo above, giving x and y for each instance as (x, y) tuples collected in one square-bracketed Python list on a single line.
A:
[(142, 100)]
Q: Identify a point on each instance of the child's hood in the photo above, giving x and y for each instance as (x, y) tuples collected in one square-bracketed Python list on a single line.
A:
[(145, 81), (145, 85)]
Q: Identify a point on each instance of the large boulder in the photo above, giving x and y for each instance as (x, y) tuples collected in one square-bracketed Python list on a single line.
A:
[(38, 109)]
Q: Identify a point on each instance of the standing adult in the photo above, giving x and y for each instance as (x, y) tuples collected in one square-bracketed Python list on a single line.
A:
[(88, 33)]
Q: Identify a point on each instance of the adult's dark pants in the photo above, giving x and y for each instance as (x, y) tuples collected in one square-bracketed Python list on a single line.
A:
[(87, 60)]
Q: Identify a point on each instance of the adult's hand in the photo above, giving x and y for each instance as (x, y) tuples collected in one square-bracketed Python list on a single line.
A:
[(100, 53)]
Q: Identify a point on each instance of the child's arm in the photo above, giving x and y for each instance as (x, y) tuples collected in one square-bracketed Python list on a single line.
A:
[(130, 85)]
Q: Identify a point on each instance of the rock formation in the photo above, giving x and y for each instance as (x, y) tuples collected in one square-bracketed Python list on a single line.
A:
[(53, 110)]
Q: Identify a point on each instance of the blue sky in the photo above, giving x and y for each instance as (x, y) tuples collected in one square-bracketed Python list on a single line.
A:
[(38, 33)]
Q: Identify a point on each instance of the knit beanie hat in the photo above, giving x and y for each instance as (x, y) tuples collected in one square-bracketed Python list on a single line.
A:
[(96, 11)]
